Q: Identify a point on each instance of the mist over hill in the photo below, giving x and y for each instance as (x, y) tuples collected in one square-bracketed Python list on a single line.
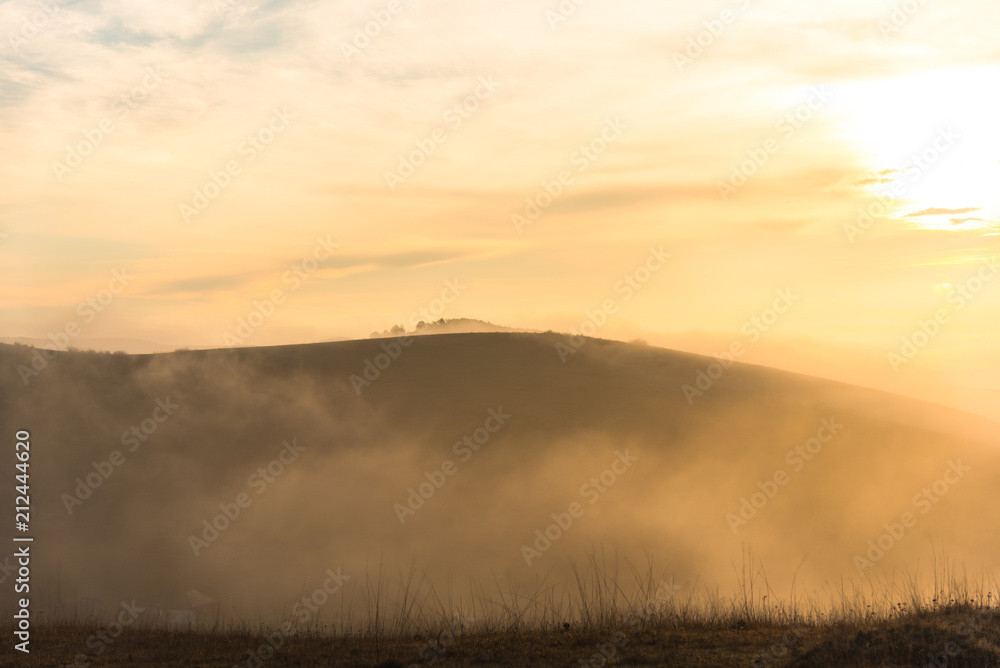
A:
[(473, 455), (448, 326), (134, 346)]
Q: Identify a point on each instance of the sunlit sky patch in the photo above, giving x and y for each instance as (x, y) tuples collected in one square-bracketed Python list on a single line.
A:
[(938, 128)]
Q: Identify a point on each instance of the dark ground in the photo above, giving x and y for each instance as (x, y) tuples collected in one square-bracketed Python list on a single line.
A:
[(958, 637)]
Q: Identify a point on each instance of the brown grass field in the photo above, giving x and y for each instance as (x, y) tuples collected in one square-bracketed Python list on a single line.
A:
[(959, 635), (885, 625)]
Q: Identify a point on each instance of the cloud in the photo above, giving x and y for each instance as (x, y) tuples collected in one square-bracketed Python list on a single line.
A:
[(880, 176), (403, 260), (596, 200), (962, 221), (203, 284), (134, 19), (941, 212), (337, 266)]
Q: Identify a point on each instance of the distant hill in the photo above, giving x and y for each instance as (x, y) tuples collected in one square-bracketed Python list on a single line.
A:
[(681, 456), (131, 346)]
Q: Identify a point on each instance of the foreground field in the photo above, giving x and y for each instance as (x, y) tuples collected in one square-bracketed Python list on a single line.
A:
[(959, 635)]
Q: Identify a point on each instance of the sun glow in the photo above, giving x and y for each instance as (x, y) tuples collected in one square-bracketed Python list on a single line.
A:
[(933, 144)]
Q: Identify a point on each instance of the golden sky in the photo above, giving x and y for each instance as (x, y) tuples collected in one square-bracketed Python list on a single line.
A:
[(224, 138)]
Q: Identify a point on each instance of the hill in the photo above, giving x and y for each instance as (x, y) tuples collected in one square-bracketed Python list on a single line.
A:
[(473, 455)]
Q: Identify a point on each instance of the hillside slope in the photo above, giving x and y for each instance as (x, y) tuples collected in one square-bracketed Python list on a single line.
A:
[(503, 435)]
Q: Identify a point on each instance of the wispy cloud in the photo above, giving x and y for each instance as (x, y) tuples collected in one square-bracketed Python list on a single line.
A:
[(943, 212), (880, 176)]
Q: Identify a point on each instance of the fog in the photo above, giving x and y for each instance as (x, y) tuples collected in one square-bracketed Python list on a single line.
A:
[(500, 435)]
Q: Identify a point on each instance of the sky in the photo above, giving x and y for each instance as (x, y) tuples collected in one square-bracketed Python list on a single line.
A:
[(213, 173)]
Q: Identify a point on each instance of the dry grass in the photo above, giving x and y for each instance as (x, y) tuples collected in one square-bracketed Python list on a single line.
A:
[(614, 614)]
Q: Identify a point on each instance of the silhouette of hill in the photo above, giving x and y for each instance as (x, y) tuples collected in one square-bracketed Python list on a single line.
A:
[(361, 428)]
